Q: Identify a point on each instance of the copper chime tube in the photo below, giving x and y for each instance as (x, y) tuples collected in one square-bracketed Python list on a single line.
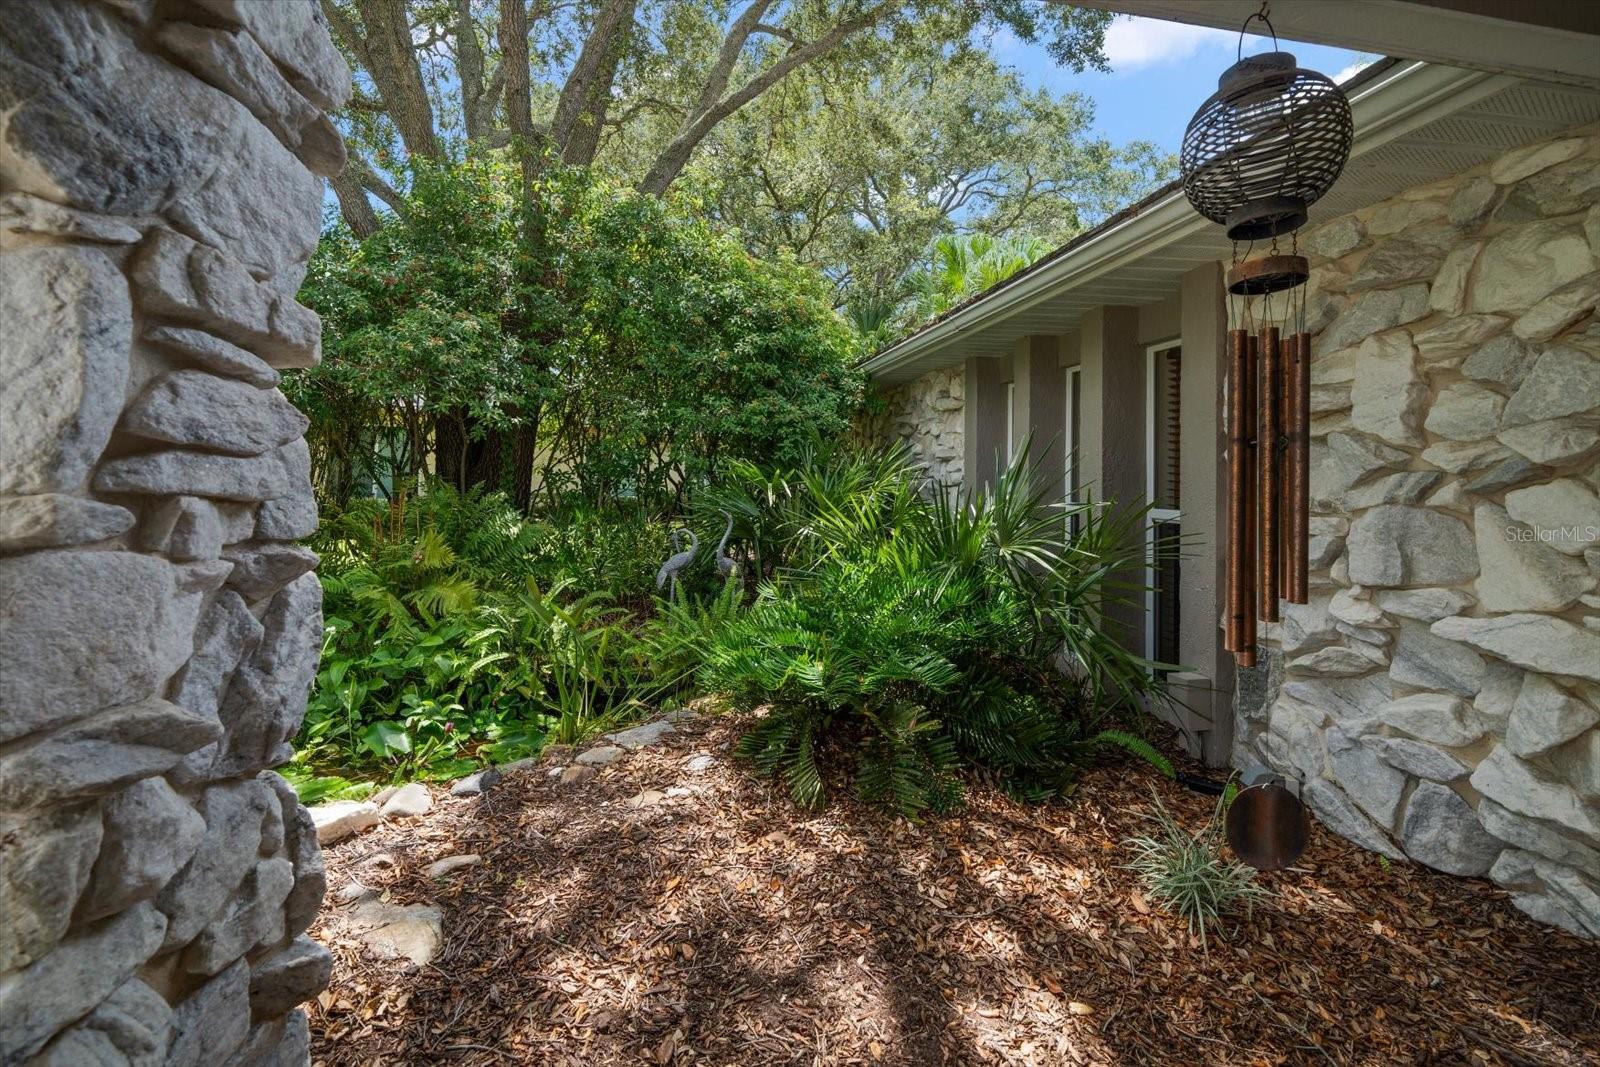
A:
[(1267, 458), (1299, 498), (1286, 409), (1247, 488), (1238, 414)]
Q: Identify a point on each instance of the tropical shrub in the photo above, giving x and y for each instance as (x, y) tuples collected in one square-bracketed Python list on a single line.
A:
[(914, 634)]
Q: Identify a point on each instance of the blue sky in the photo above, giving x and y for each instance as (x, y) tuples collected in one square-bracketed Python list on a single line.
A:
[(1160, 72)]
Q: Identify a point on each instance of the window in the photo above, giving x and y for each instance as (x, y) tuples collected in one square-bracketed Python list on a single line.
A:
[(1011, 422), (1163, 446)]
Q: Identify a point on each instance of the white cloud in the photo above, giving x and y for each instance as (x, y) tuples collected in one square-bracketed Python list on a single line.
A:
[(1356, 66), (1133, 42)]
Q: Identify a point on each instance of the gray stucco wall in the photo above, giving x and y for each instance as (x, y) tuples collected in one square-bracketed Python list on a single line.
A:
[(159, 627)]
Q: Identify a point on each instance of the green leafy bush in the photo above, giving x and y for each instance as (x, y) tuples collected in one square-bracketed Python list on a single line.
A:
[(915, 634), (1187, 873)]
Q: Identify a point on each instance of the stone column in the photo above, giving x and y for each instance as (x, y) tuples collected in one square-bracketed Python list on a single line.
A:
[(159, 626)]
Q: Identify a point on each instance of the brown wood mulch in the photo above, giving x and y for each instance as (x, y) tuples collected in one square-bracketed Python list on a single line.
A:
[(725, 927)]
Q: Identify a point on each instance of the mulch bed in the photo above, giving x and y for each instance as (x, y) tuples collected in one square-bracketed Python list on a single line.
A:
[(726, 927)]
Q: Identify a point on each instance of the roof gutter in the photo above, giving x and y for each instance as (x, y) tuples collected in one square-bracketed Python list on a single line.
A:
[(1407, 96)]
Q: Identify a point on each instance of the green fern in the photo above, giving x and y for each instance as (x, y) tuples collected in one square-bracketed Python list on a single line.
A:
[(1137, 746)]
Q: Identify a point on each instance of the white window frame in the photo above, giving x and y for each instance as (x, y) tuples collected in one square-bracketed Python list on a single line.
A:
[(1011, 423), (1156, 516)]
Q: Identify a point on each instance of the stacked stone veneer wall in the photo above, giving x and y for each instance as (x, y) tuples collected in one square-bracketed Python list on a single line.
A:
[(926, 415), (159, 627), (1440, 695)]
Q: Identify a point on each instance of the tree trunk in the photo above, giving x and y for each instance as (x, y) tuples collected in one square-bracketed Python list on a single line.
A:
[(450, 448), (354, 205), (392, 62)]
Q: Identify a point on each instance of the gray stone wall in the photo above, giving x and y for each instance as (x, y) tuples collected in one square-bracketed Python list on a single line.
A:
[(926, 416), (1439, 698), (159, 199)]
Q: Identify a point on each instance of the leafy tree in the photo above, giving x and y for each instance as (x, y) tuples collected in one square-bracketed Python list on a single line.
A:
[(648, 349)]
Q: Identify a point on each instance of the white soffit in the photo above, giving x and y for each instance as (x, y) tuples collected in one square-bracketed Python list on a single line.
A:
[(1415, 123)]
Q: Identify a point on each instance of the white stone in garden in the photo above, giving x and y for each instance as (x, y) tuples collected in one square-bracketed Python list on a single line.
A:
[(51, 520), (391, 931), (1433, 717), (64, 364), (190, 407), (451, 864), (1419, 758), (1520, 573), (214, 354), (1394, 545), (1449, 291), (1465, 411), (48, 856), (1427, 605), (1352, 606), (1524, 264), (1338, 661), (1388, 397), (1546, 716), (1506, 360), (1553, 441), (1425, 661), (70, 648), (1370, 313), (1454, 339), (1536, 642), (82, 971), (599, 756), (339, 819), (642, 736), (1559, 310), (1515, 785), (476, 784), (1333, 239), (409, 801), (1519, 164), (1441, 830), (1565, 513), (1563, 381)]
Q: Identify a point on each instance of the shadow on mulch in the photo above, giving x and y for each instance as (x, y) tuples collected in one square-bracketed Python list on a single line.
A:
[(723, 926)]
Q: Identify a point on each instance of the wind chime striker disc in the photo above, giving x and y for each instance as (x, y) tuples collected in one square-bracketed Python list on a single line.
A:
[(1269, 274), (1268, 827)]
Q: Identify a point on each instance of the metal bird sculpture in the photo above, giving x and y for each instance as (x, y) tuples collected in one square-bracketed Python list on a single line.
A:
[(668, 574), (727, 566)]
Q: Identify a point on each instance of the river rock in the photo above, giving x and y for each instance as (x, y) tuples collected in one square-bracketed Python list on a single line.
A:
[(194, 408), (288, 978), (409, 801), (1395, 545), (45, 860), (391, 931), (65, 362), (150, 833), (102, 753), (1441, 830), (338, 819), (50, 520)]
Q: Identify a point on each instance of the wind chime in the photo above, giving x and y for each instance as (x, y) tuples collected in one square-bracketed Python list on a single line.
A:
[(1257, 154)]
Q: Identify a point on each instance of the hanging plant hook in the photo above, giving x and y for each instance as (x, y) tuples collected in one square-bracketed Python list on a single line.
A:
[(1266, 7)]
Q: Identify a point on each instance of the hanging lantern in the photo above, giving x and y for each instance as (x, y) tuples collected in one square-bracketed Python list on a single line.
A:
[(1265, 146)]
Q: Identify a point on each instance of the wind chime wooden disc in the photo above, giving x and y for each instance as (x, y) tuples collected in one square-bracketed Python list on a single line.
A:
[(1269, 274), (1268, 827)]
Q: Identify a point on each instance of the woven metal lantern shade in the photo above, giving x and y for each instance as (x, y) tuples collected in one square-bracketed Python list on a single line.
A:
[(1266, 146)]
